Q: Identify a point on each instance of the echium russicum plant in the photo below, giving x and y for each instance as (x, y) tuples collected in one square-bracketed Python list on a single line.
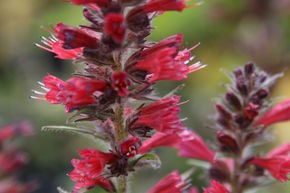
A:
[(114, 93)]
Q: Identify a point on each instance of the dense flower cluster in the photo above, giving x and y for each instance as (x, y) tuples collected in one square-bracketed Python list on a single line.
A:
[(121, 68), (12, 159), (241, 121)]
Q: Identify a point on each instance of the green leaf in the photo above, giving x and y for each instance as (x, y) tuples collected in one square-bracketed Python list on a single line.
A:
[(81, 131), (60, 190), (199, 163), (149, 159), (176, 90)]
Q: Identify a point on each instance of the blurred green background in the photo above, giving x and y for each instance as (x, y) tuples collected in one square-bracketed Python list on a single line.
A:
[(231, 32)]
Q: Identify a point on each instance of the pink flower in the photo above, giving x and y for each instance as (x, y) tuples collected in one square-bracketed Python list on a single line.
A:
[(121, 83), (55, 46), (278, 113), (75, 38), (277, 162), (172, 183), (9, 131), (216, 187), (74, 93), (115, 27), (161, 115), (11, 185), (159, 139), (195, 148)]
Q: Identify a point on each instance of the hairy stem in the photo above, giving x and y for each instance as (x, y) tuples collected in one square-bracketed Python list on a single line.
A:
[(120, 135), (122, 184)]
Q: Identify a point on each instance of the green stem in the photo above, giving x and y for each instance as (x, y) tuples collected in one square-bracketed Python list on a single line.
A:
[(120, 134), (122, 184)]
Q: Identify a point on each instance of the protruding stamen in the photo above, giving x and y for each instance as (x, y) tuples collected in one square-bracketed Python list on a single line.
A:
[(37, 92)]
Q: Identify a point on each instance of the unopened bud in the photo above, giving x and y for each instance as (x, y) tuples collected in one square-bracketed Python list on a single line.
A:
[(233, 100), (228, 143), (223, 112), (238, 73), (241, 86), (249, 69), (220, 171), (262, 93)]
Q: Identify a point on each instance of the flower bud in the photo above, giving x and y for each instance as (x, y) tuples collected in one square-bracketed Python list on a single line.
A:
[(223, 112), (233, 100), (249, 69), (241, 86), (238, 73), (262, 93), (227, 142), (220, 171)]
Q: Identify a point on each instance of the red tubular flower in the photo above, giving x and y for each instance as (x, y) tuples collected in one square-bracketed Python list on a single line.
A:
[(12, 161), (277, 162), (101, 3), (282, 150), (121, 83), (88, 171), (74, 93), (159, 139), (166, 64), (169, 184), (195, 148), (279, 113), (171, 41), (55, 46), (129, 147), (75, 38), (161, 115), (216, 187), (279, 167), (164, 5), (115, 27), (193, 190)]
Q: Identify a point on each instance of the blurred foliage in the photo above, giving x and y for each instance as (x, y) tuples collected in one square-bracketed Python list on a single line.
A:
[(230, 32)]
